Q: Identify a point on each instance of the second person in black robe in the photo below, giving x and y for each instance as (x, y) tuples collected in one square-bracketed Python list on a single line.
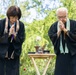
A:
[(65, 62)]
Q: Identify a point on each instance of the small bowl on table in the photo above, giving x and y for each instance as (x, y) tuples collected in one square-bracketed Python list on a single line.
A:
[(46, 51)]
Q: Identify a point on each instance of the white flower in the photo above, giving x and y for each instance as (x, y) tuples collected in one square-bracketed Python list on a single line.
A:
[(38, 38)]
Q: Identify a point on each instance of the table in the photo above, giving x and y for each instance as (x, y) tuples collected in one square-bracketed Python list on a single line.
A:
[(41, 56)]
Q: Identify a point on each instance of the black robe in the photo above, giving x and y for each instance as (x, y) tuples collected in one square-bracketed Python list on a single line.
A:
[(64, 62), (10, 67)]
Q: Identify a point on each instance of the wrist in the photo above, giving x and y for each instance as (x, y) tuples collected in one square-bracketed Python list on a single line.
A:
[(15, 34), (65, 30)]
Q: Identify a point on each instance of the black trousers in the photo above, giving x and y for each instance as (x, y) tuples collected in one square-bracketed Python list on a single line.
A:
[(63, 65), (73, 62), (9, 67)]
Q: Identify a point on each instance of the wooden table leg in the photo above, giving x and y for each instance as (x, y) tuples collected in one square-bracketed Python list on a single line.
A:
[(44, 72), (37, 71)]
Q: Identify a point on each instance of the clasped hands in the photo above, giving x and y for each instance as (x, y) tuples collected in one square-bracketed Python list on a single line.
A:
[(12, 31), (62, 28)]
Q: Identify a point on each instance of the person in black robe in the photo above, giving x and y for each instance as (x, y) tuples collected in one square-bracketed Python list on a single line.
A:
[(12, 36), (63, 36)]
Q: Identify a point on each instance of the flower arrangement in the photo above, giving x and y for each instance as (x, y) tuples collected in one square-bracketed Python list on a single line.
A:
[(37, 41), (37, 46)]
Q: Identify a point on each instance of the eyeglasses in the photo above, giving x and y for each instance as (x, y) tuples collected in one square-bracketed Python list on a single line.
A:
[(61, 17)]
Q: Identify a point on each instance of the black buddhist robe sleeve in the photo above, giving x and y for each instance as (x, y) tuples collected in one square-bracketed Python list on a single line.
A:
[(18, 41), (71, 37), (3, 36), (3, 40), (54, 38)]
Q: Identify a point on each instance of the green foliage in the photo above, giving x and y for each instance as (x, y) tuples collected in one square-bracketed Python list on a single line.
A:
[(34, 29), (70, 4)]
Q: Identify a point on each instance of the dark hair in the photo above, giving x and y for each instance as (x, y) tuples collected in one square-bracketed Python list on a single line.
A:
[(14, 11)]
